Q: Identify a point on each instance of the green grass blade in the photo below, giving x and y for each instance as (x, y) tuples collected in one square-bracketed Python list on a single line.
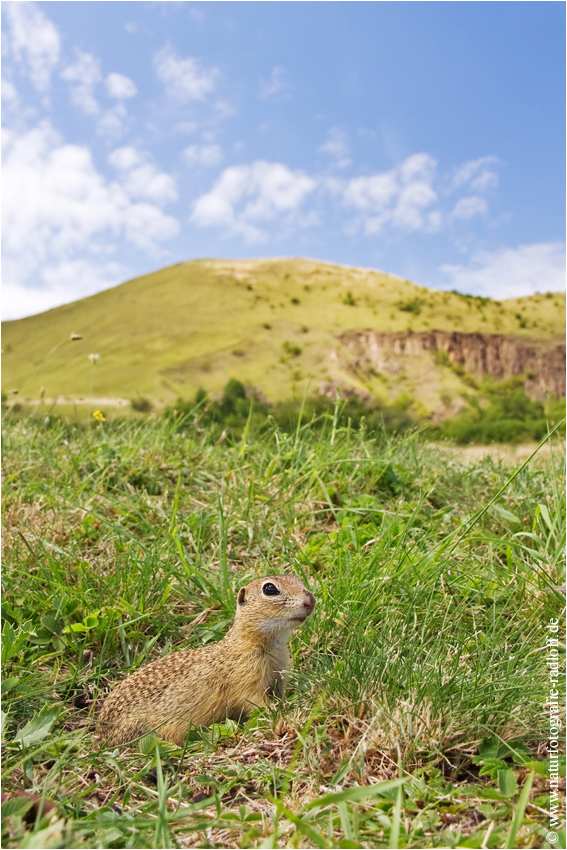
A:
[(519, 810)]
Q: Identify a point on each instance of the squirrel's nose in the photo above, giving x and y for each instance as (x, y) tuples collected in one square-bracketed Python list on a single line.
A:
[(309, 602)]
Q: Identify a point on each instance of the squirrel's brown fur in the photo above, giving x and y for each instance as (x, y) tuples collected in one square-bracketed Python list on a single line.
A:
[(197, 687)]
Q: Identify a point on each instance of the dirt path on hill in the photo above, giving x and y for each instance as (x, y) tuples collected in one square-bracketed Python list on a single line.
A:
[(82, 400), (510, 454)]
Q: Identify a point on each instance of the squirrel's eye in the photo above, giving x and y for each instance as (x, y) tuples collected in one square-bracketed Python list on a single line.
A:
[(270, 589)]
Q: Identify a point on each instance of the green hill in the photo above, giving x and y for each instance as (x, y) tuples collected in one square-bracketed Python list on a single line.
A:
[(273, 324)]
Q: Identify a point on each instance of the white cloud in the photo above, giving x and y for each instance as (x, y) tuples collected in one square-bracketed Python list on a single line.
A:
[(276, 86), (16, 113), (484, 181), (469, 207), (337, 147), (32, 41), (246, 196), (511, 272), (184, 79), (146, 218), (420, 167), (126, 158), (120, 87), (65, 281), (83, 75), (224, 108), (411, 211), (9, 93), (113, 123), (58, 208), (478, 173), (70, 274), (403, 197), (371, 193), (140, 177), (205, 156)]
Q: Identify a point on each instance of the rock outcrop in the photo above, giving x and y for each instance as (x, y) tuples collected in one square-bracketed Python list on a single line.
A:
[(541, 364)]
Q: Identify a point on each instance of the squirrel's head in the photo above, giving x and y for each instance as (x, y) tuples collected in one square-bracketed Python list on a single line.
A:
[(274, 604)]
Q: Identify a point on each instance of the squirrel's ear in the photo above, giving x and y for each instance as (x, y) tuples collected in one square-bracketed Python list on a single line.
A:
[(241, 598)]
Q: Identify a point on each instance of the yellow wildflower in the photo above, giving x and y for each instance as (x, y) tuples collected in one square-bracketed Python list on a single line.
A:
[(99, 416)]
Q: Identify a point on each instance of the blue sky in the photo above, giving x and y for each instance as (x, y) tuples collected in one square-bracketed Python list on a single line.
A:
[(422, 138)]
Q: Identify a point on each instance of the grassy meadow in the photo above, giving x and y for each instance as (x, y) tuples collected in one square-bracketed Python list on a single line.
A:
[(415, 714), (273, 324)]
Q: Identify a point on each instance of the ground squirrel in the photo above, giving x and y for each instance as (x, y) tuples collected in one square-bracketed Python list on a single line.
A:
[(197, 687)]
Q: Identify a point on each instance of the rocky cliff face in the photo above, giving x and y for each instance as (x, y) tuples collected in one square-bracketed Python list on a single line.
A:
[(540, 363)]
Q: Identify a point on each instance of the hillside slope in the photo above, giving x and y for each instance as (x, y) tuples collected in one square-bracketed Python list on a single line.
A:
[(274, 324)]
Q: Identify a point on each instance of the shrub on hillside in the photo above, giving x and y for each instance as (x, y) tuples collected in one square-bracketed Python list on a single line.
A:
[(507, 415), (239, 408), (291, 349), (413, 305), (229, 413), (141, 405), (555, 410), (234, 392), (504, 413)]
